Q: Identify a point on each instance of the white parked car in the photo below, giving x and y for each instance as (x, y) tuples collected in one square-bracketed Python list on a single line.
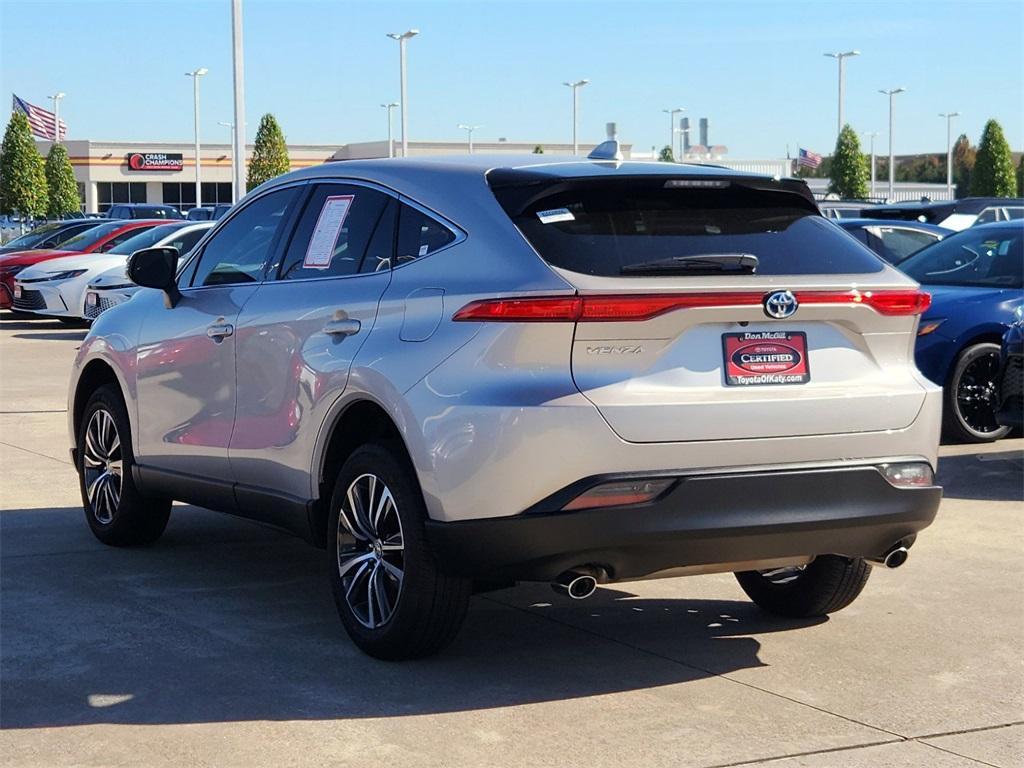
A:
[(62, 282)]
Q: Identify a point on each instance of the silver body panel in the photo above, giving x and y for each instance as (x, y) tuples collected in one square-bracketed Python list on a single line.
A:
[(496, 416)]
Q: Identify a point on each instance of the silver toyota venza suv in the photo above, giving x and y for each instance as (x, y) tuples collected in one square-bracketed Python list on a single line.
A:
[(459, 373)]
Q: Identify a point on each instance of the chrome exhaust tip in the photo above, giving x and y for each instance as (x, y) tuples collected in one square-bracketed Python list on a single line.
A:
[(894, 558), (576, 585)]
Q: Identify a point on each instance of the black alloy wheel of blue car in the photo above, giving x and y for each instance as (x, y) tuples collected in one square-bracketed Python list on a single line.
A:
[(972, 396)]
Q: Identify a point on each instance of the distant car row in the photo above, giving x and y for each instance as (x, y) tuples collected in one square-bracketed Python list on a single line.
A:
[(13, 226), (956, 215)]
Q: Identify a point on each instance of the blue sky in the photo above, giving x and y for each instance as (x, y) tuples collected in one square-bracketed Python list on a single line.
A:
[(755, 69)]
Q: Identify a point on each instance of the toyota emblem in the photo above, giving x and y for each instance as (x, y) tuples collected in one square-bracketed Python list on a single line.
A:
[(780, 304)]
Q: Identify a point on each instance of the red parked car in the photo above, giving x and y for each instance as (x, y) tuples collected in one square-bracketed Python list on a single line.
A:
[(99, 239)]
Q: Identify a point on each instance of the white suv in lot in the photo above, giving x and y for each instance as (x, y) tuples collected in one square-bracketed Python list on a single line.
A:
[(459, 373)]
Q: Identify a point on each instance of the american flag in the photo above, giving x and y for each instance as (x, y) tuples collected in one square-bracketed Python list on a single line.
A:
[(41, 120), (808, 159)]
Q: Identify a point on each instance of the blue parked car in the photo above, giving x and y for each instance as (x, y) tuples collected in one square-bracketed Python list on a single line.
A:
[(1011, 374), (976, 279), (894, 241)]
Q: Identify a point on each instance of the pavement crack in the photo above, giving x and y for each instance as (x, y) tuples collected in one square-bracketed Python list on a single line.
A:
[(829, 751), (36, 453)]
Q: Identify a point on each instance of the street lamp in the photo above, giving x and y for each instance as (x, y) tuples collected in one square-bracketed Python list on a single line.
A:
[(195, 75), (841, 57), (56, 115), (469, 134), (672, 124), (238, 86), (871, 138), (403, 38), (892, 159), (575, 85), (231, 128), (949, 151), (391, 142)]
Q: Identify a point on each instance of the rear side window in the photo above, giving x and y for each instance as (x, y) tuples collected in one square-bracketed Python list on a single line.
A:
[(987, 257), (606, 227), (419, 235), (901, 243), (333, 232)]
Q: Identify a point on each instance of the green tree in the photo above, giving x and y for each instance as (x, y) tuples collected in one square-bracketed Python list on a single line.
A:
[(62, 190), (993, 172), (666, 156), (538, 150), (22, 178), (849, 170), (269, 154), (964, 158)]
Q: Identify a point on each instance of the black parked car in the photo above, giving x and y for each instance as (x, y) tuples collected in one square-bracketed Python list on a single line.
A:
[(143, 211), (208, 212), (952, 214), (894, 241), (1011, 374)]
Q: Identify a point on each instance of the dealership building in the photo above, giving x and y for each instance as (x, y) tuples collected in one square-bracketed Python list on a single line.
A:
[(111, 172)]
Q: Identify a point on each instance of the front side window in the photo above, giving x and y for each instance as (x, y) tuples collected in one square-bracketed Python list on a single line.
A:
[(419, 235), (982, 258), (239, 250), (333, 232)]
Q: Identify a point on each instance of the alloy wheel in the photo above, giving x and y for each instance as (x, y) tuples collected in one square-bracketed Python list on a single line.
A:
[(977, 394), (103, 465), (371, 551)]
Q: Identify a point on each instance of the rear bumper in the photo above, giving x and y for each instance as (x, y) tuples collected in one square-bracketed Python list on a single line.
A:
[(702, 520)]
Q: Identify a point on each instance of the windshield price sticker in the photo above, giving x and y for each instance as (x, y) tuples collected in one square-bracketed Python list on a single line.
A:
[(327, 232), (555, 215)]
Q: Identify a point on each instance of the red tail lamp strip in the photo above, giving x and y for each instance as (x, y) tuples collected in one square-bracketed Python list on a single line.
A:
[(636, 307)]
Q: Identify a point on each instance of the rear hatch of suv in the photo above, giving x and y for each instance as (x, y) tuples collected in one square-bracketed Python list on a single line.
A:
[(717, 307)]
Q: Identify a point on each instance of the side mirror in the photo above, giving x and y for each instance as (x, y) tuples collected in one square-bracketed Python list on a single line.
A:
[(156, 268)]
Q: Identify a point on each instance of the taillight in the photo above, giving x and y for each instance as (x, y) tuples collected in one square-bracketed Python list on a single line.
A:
[(634, 307)]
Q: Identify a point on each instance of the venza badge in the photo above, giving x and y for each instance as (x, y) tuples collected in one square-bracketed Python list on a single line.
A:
[(780, 304)]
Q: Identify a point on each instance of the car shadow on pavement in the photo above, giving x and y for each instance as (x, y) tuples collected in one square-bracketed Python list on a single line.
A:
[(225, 620), (60, 336), (987, 476)]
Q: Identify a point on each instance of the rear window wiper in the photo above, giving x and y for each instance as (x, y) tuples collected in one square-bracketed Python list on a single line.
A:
[(711, 263)]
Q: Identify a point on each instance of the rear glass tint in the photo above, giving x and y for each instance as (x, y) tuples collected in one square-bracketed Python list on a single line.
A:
[(603, 227)]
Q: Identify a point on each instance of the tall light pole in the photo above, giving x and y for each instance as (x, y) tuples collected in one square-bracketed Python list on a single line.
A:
[(195, 75), (575, 85), (231, 128), (841, 57), (949, 151), (672, 124), (871, 138), (56, 115), (391, 142), (403, 38), (238, 144), (892, 158), (469, 134)]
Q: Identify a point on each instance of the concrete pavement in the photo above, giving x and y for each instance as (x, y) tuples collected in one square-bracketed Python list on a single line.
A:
[(220, 645)]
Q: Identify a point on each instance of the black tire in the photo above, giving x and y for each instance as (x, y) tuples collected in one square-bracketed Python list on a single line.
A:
[(826, 585), (426, 606), (134, 519), (971, 402)]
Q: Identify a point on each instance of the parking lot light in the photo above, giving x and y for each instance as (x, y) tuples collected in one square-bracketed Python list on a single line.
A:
[(892, 159), (870, 135), (403, 38), (56, 115), (841, 57), (469, 134), (391, 142), (195, 75), (575, 85), (949, 150), (672, 125)]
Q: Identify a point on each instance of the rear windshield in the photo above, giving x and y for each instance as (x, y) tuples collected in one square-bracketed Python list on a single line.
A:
[(608, 227)]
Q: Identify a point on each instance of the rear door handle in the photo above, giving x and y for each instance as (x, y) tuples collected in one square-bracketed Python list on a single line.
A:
[(218, 331), (342, 327)]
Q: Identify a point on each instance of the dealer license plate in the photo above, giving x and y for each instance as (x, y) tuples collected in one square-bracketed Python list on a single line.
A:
[(758, 358)]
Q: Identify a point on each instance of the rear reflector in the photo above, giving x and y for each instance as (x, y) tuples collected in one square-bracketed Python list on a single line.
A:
[(634, 307), (620, 493), (916, 474)]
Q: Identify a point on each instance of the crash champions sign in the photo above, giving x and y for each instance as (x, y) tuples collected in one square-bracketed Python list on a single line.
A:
[(155, 161)]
